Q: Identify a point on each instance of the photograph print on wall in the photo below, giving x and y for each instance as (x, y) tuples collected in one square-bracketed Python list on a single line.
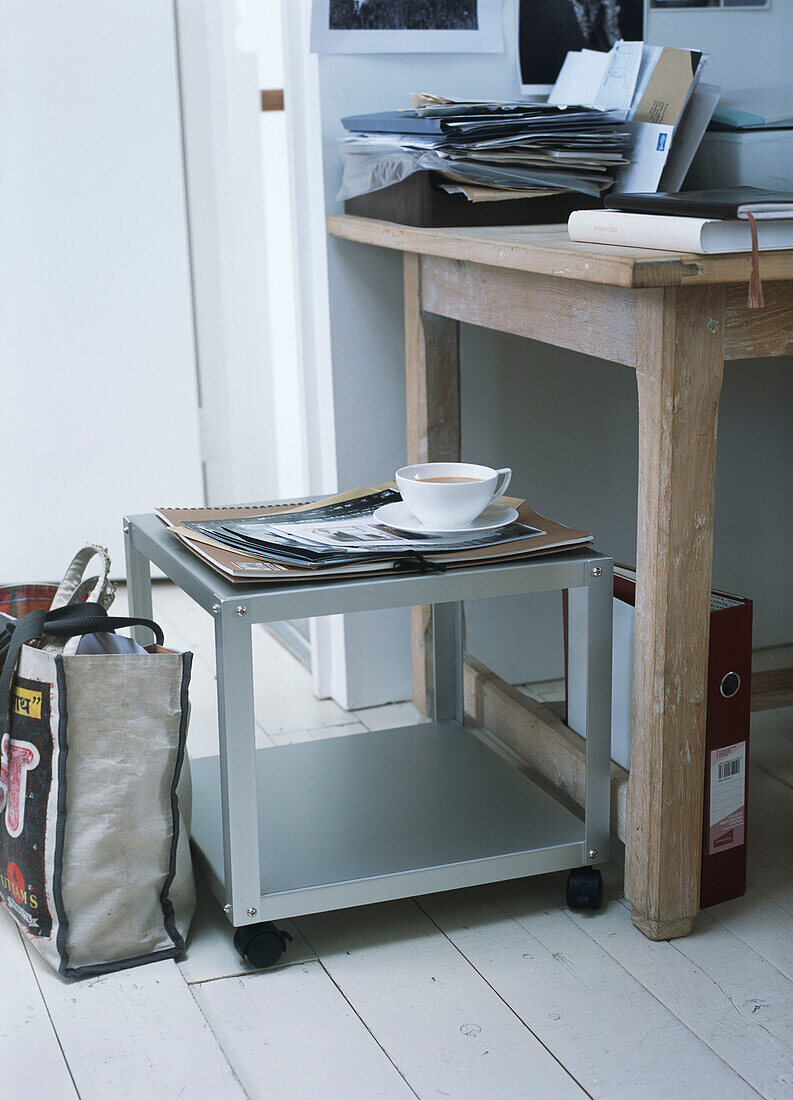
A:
[(403, 15), (406, 26), (548, 29), (661, 5)]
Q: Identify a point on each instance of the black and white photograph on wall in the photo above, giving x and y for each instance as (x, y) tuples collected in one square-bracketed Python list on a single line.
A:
[(752, 5), (406, 26), (400, 15), (547, 29)]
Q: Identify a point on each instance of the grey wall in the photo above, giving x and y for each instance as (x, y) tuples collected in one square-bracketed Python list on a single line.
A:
[(566, 423), (365, 287)]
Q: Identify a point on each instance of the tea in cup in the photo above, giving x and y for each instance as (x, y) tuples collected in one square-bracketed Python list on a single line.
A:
[(448, 495)]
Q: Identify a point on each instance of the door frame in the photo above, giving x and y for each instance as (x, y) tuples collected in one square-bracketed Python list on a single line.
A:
[(304, 138), (220, 105)]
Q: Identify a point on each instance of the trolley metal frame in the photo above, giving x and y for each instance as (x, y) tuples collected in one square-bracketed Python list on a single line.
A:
[(339, 822)]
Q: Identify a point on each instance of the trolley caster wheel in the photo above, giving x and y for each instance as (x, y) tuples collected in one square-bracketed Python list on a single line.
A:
[(261, 944), (584, 888)]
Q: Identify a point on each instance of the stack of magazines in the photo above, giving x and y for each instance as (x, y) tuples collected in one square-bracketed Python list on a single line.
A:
[(339, 536), (522, 148)]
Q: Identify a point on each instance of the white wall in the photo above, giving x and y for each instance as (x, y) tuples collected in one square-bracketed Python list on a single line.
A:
[(747, 49), (367, 326), (566, 424), (97, 370)]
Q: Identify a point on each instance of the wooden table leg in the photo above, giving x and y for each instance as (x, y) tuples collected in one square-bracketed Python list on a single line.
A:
[(432, 367), (680, 356)]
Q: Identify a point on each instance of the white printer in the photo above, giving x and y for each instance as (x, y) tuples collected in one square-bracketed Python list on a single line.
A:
[(755, 149)]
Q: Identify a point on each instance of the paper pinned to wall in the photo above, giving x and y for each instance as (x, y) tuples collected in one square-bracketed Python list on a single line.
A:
[(412, 26)]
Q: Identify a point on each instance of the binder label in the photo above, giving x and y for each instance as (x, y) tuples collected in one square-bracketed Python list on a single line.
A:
[(727, 797), (718, 602)]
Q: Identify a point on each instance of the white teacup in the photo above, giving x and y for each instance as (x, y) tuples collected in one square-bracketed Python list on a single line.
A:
[(446, 495)]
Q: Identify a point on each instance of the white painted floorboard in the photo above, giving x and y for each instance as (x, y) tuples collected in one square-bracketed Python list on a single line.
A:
[(291, 1035), (33, 1062), (746, 1056), (771, 878), (498, 992), (134, 1034), (761, 924), (591, 1013), (746, 1007), (447, 1031)]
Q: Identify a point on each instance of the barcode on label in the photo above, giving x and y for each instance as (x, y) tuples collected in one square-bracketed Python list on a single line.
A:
[(727, 810), (729, 768)]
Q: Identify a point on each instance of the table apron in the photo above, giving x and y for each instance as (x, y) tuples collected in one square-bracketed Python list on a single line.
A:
[(592, 318), (587, 317), (759, 333)]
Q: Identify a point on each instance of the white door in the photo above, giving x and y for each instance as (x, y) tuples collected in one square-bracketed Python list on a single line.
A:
[(100, 404), (221, 109)]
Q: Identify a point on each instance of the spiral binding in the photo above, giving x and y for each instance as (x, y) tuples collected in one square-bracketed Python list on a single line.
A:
[(235, 507)]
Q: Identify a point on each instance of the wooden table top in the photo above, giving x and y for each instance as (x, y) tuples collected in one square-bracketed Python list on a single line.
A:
[(547, 250)]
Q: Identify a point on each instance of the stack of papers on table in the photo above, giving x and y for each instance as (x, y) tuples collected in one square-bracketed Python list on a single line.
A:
[(667, 105), (339, 537), (630, 119), (527, 148)]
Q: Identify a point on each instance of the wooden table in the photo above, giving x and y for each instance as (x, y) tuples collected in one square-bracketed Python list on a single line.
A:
[(674, 319)]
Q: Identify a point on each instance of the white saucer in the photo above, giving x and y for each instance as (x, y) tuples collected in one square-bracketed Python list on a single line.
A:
[(399, 516)]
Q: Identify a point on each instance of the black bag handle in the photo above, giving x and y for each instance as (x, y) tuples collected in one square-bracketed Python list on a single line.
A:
[(89, 618), (64, 622)]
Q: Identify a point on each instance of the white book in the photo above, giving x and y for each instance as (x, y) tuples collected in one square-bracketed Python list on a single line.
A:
[(674, 234)]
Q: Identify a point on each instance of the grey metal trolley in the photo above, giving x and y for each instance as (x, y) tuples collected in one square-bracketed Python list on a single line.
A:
[(346, 821)]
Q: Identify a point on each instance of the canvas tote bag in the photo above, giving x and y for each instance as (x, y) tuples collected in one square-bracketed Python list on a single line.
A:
[(94, 794), (17, 600)]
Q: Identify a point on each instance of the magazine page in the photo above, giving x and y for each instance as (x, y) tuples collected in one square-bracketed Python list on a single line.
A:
[(340, 532)]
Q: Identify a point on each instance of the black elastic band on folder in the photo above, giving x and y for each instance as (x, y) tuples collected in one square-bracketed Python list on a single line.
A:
[(413, 561)]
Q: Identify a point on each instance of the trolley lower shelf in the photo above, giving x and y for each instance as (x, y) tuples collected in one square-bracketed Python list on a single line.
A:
[(376, 816)]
